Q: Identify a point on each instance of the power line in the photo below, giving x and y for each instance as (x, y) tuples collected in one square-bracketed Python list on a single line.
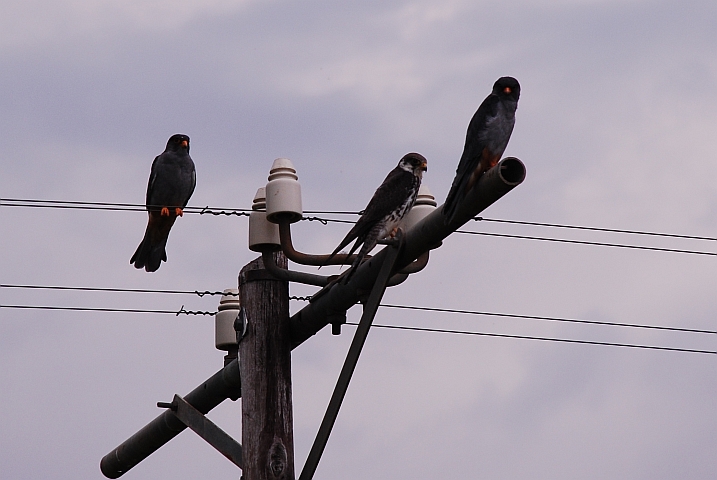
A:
[(594, 229), (130, 207), (578, 242), (545, 339), (553, 319), (402, 307), (182, 311), (583, 242), (14, 202), (24, 202), (136, 207), (126, 290)]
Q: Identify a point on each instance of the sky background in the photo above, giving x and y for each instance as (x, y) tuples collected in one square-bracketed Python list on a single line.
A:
[(615, 125)]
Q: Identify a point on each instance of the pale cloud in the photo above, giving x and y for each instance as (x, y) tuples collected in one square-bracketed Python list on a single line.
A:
[(375, 77), (32, 23)]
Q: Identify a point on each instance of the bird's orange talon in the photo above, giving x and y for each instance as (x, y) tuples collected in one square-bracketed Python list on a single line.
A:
[(179, 212), (164, 212)]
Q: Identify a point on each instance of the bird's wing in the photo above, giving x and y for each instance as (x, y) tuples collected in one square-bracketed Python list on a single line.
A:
[(152, 180), (472, 151), (193, 183), (392, 193), (387, 198)]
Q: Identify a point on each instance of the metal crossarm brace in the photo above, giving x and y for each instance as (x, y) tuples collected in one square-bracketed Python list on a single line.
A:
[(226, 383), (369, 312), (208, 430)]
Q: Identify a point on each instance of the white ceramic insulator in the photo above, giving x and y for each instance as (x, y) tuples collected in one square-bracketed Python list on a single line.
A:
[(224, 334), (263, 235), (283, 193), (425, 204)]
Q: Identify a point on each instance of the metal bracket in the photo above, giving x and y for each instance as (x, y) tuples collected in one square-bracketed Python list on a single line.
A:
[(342, 385), (241, 323), (205, 428)]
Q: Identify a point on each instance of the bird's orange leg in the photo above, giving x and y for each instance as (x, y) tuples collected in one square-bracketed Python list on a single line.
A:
[(487, 161), (179, 212), (393, 238), (164, 212)]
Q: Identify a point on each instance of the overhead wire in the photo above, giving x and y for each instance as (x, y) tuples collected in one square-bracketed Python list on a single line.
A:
[(593, 229), (584, 242), (131, 207), (18, 202), (24, 202), (386, 305), (124, 290), (545, 339), (245, 212), (182, 311), (552, 319)]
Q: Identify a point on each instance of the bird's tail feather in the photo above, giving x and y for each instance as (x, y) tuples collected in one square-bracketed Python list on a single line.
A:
[(148, 255), (347, 239), (455, 195), (365, 249)]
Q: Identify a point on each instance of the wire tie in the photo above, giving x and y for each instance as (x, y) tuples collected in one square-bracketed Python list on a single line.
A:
[(321, 220)]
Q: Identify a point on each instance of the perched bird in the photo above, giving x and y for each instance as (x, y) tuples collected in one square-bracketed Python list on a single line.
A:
[(486, 139), (171, 183), (392, 200)]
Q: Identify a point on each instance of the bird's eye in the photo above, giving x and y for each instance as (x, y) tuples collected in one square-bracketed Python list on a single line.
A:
[(507, 90)]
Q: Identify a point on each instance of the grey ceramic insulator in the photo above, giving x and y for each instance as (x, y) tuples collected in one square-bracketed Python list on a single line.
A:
[(225, 336), (283, 193), (425, 204), (263, 235)]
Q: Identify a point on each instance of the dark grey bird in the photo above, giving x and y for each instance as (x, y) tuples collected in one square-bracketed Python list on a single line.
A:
[(391, 202), (486, 139), (171, 183)]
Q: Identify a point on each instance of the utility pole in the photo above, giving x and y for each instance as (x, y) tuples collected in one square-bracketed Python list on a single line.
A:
[(269, 335), (265, 365)]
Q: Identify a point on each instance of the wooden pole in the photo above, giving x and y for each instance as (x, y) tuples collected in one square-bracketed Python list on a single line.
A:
[(265, 363)]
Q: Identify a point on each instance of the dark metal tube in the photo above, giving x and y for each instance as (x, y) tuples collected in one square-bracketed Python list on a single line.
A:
[(224, 384), (292, 275), (295, 256)]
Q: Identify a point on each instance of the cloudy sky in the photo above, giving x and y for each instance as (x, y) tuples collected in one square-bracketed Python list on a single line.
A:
[(615, 125)]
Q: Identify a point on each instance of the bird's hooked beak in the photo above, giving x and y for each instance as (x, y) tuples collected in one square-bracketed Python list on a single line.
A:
[(184, 143), (424, 166)]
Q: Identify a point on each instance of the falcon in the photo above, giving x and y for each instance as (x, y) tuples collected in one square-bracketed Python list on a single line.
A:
[(391, 202), (171, 183), (486, 139)]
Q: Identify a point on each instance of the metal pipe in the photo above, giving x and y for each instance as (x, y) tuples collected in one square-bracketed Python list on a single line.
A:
[(304, 258), (224, 384), (295, 256), (425, 235), (292, 275), (416, 266)]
